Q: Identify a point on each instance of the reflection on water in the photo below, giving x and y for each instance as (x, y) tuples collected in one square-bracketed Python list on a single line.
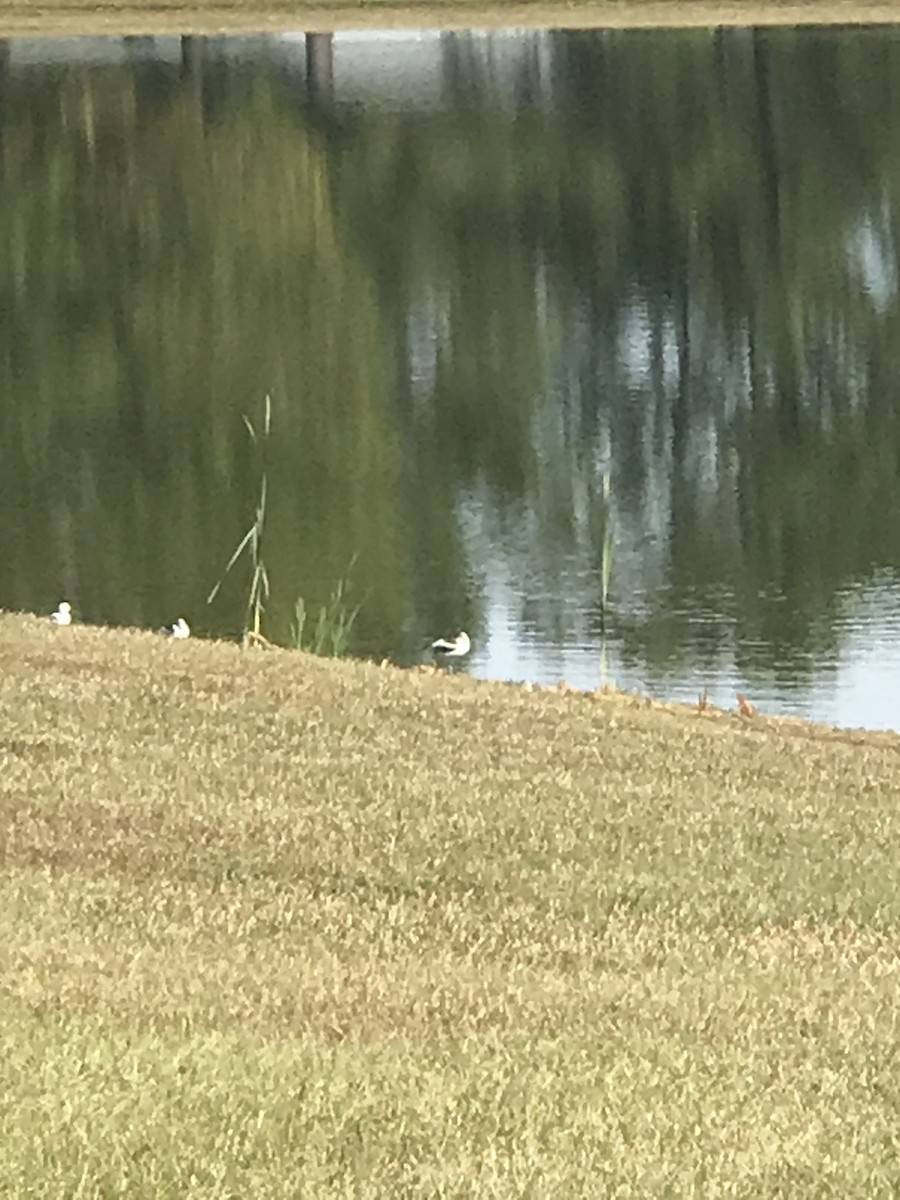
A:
[(854, 684), (476, 274)]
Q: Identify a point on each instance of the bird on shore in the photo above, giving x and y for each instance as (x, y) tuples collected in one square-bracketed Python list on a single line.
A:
[(180, 629), (453, 647), (63, 615)]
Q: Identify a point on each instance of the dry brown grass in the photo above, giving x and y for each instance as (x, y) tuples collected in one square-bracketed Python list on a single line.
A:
[(70, 17), (275, 926)]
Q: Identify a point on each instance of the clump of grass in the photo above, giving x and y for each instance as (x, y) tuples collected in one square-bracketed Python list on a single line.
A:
[(251, 542), (331, 633)]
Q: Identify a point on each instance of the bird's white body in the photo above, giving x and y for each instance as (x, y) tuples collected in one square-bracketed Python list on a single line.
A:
[(453, 647), (63, 615), (180, 629)]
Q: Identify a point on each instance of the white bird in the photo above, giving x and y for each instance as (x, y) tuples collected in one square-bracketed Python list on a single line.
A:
[(63, 615), (180, 629), (453, 647)]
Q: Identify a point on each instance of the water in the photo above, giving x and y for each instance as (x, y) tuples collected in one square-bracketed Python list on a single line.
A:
[(478, 276)]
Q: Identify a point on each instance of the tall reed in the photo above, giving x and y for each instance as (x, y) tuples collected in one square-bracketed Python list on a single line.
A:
[(606, 561), (258, 592), (606, 550), (333, 626)]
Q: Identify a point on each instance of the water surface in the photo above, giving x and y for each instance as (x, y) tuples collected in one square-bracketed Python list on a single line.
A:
[(506, 292)]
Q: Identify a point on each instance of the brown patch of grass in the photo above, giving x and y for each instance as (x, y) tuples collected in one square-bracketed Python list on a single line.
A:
[(266, 917), (745, 708)]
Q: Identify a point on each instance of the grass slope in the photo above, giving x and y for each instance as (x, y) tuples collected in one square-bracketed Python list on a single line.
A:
[(275, 926)]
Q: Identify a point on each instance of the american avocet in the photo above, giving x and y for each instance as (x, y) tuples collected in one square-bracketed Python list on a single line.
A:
[(180, 629), (453, 647), (63, 615)]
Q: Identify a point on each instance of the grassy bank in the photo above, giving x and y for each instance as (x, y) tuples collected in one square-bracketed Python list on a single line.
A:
[(70, 17), (278, 926)]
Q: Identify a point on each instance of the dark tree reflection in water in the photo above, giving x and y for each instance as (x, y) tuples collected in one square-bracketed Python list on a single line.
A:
[(476, 275)]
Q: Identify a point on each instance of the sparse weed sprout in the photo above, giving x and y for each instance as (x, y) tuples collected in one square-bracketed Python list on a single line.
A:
[(334, 624)]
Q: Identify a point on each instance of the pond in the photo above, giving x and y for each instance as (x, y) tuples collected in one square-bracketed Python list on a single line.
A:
[(583, 342)]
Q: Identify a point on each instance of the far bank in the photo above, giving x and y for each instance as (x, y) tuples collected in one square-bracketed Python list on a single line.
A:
[(69, 18)]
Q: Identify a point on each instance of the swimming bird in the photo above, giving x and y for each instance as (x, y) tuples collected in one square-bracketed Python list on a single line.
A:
[(63, 615), (180, 629), (453, 647)]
